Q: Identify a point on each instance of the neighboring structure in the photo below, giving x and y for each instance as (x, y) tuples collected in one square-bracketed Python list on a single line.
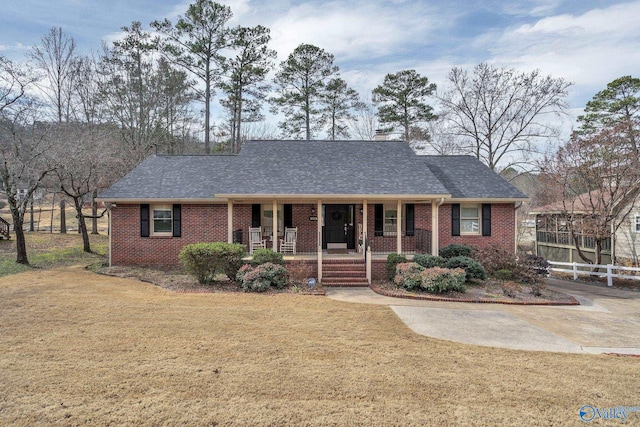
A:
[(555, 243), (340, 195)]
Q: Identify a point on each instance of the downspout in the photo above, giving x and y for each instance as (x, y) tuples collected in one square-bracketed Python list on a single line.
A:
[(435, 226), (110, 206), (517, 205)]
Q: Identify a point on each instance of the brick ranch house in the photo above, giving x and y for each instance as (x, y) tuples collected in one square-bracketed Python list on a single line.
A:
[(364, 199)]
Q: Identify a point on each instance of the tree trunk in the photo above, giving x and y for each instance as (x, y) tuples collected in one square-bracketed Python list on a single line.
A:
[(82, 226), (31, 226), (598, 252), (63, 217), (21, 246), (53, 208), (94, 213), (207, 109)]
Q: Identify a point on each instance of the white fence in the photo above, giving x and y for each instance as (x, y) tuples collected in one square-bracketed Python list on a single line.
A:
[(587, 269)]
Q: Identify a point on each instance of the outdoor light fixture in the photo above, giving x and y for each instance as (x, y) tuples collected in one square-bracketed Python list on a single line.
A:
[(313, 210)]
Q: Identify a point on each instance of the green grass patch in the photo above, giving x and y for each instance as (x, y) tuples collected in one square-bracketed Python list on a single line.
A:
[(47, 250)]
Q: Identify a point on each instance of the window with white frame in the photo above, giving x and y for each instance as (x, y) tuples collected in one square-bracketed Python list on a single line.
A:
[(391, 219), (267, 219), (162, 220), (637, 224), (470, 219)]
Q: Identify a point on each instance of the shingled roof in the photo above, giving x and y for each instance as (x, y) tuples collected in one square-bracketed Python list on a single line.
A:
[(467, 178), (311, 168)]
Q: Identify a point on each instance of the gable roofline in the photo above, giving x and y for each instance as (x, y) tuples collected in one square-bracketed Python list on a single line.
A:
[(311, 170)]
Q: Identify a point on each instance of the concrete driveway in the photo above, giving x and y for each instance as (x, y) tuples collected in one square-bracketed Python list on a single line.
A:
[(606, 321)]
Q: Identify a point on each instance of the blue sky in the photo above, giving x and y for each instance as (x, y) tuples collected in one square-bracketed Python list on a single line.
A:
[(588, 42)]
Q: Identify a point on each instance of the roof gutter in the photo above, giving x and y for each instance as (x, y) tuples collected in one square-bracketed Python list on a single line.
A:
[(310, 197)]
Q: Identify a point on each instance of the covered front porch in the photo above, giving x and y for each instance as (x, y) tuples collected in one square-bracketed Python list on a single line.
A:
[(331, 230)]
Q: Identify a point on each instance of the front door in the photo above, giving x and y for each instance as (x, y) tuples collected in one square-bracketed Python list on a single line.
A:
[(338, 225)]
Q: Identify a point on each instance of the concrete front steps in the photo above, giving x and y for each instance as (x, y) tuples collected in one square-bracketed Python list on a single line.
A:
[(344, 272)]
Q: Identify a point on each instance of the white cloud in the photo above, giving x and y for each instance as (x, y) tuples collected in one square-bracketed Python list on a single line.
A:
[(590, 49), (13, 47), (352, 30)]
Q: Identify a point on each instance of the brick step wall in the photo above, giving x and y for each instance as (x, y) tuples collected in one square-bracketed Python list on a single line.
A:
[(344, 273)]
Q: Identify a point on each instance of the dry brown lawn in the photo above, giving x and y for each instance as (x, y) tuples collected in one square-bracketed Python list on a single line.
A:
[(77, 348)]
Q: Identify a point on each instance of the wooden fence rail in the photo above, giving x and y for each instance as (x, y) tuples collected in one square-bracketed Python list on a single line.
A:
[(587, 269)]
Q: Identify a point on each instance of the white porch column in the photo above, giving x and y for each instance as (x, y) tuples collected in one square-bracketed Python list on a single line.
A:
[(274, 235), (110, 207), (229, 221), (365, 218), (320, 219), (399, 227), (435, 250)]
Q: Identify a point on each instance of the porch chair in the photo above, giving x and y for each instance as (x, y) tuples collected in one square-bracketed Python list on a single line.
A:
[(255, 239), (288, 244)]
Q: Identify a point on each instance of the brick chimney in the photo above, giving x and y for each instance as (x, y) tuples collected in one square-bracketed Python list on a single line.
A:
[(380, 135)]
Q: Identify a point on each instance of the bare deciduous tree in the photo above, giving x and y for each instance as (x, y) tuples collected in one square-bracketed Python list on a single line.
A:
[(364, 122), (499, 114), (85, 159), (600, 181), (24, 144), (55, 56)]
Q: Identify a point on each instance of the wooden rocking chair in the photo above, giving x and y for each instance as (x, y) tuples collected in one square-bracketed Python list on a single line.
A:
[(255, 239), (288, 244)]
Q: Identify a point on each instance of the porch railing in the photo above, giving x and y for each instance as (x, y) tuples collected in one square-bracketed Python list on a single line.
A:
[(423, 241), (564, 238), (4, 229)]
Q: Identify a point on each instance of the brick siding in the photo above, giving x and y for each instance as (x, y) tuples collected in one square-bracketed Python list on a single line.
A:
[(388, 243), (503, 223), (208, 223), (200, 223)]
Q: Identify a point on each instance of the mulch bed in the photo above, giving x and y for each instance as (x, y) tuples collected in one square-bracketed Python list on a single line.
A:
[(487, 292), (176, 281)]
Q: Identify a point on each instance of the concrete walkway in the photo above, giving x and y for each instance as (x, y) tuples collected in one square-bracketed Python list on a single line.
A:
[(607, 321)]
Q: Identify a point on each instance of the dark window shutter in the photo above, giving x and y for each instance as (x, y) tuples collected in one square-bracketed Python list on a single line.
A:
[(455, 219), (378, 220), (288, 216), (410, 220), (486, 219), (177, 220), (255, 215), (144, 220)]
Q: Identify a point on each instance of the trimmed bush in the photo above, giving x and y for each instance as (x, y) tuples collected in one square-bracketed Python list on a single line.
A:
[(503, 274), (439, 280), (393, 259), (537, 264), (494, 258), (205, 260), (408, 276), (472, 267), (263, 256), (262, 277), (454, 250), (429, 261)]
